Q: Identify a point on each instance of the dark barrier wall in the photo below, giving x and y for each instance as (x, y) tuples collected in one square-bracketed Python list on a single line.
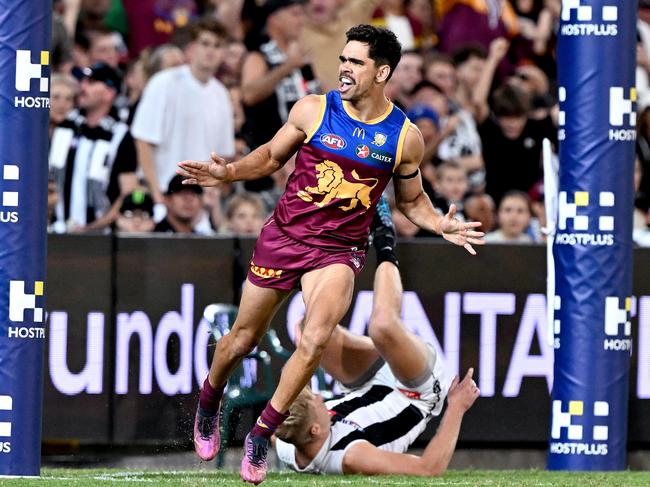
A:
[(25, 27), (593, 244), (487, 312)]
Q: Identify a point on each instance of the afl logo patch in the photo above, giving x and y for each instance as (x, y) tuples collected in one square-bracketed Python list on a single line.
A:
[(363, 151), (333, 141)]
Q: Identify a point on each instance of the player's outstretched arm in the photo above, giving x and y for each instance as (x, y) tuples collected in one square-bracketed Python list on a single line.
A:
[(416, 205), (365, 458), (264, 160)]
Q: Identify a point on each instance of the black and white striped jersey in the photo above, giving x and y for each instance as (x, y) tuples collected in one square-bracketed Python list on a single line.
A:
[(86, 163), (383, 412)]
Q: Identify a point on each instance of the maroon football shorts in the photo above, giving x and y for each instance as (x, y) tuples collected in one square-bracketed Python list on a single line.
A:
[(279, 261)]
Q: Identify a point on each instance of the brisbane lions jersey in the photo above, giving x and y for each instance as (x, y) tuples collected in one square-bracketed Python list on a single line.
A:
[(341, 171)]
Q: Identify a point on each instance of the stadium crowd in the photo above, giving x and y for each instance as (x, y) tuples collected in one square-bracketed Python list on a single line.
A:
[(138, 85)]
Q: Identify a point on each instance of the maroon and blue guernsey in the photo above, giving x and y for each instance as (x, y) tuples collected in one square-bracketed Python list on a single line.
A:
[(341, 172)]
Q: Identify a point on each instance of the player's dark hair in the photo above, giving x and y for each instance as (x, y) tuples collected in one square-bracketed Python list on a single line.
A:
[(510, 101), (383, 46)]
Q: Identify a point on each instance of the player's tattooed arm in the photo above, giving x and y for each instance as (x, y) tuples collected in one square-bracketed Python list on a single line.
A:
[(264, 160)]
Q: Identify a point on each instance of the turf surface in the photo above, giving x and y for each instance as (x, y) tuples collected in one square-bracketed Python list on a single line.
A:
[(492, 478)]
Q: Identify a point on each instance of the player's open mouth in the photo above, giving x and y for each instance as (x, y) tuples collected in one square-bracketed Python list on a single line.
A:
[(345, 83)]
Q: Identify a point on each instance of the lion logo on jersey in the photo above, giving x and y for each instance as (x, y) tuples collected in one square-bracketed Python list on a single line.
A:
[(332, 184)]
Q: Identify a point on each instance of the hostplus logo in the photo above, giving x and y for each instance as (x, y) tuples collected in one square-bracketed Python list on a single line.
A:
[(22, 304), (10, 174), (6, 404), (584, 430), (618, 324), (586, 229), (622, 114), (557, 325), (579, 19), (28, 74), (561, 115)]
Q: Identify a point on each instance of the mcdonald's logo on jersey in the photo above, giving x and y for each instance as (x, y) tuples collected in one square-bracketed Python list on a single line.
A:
[(359, 132)]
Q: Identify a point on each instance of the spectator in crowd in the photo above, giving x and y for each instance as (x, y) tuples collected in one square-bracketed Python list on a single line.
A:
[(324, 33), (513, 218), (469, 60), (231, 67), (538, 212), (481, 208), (61, 51), (535, 23), (142, 69), (245, 214), (512, 141), (641, 220), (228, 13), (63, 95), (92, 155), (392, 14), (136, 213), (479, 21), (428, 122), (406, 76), (462, 141), (643, 153), (451, 186), (422, 16), (106, 47), (458, 137), (535, 83), (91, 13), (80, 56), (184, 111), (448, 186), (643, 55), (440, 71), (275, 77), (183, 202), (428, 94), (52, 201), (162, 57), (153, 22), (134, 81)]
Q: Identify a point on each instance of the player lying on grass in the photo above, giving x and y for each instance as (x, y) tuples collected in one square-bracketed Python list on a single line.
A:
[(396, 385)]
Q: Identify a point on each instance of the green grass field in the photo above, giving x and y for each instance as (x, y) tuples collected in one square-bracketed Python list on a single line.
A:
[(492, 478)]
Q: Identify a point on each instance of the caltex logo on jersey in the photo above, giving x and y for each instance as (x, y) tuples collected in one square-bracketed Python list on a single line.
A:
[(333, 141), (363, 151)]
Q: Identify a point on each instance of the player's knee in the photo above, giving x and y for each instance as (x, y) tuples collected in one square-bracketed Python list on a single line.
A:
[(311, 346), (243, 342), (383, 326)]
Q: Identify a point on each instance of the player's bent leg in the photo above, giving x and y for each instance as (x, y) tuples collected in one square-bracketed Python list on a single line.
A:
[(408, 357), (327, 293), (256, 309), (258, 305), (349, 358)]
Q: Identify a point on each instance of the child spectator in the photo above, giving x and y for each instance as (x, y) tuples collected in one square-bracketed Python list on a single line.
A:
[(451, 185), (513, 218), (63, 95), (480, 208), (245, 214)]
